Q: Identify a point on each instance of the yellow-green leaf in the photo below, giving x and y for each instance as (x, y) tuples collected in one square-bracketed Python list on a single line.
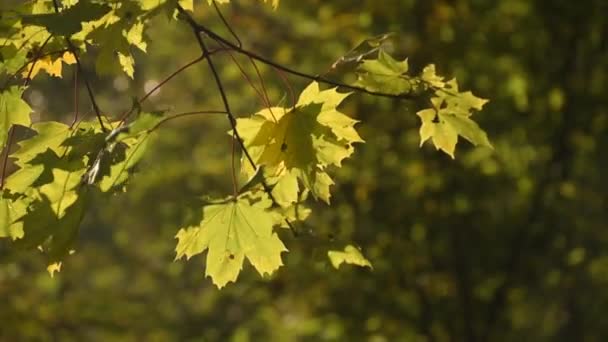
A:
[(231, 232), (13, 111), (350, 255)]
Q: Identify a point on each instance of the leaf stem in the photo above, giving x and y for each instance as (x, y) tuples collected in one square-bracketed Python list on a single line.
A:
[(317, 78), (180, 115), (72, 49), (195, 29), (29, 74)]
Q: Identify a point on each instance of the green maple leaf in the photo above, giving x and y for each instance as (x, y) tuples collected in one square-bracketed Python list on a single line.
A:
[(11, 210), (43, 229), (20, 181), (11, 58), (301, 141), (13, 111), (384, 74), (114, 34), (68, 21), (127, 147), (430, 77), (231, 232), (450, 118), (62, 192), (50, 135), (350, 255), (131, 151), (366, 48)]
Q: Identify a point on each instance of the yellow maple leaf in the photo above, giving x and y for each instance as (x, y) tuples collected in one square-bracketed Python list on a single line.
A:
[(50, 66)]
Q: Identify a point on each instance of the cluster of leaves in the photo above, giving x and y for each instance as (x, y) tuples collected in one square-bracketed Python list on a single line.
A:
[(287, 152)]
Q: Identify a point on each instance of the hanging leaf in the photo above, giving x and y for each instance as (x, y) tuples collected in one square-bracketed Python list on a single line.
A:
[(231, 232), (450, 117), (350, 255), (52, 66), (385, 74), (303, 141)]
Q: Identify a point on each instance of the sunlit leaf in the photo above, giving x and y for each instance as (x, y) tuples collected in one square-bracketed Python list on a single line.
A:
[(231, 232), (351, 255), (301, 141), (13, 111)]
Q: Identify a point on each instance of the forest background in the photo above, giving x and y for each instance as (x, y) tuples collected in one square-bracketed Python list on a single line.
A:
[(500, 244)]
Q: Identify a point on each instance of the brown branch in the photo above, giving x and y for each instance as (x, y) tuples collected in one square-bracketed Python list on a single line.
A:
[(262, 84), (235, 190), (231, 118), (317, 78), (36, 59), (87, 84), (125, 115), (84, 76), (219, 13), (283, 78), (180, 115)]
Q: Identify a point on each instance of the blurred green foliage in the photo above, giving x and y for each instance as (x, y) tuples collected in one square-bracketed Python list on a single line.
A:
[(498, 245)]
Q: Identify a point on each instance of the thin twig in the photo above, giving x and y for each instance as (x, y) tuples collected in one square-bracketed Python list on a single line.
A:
[(180, 115), (262, 84), (28, 63), (126, 114), (87, 84), (229, 113), (75, 98), (288, 85), (263, 98), (233, 157), (175, 73), (219, 13), (317, 78), (84, 76), (29, 74)]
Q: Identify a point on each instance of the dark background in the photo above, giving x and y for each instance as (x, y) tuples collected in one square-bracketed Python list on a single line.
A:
[(509, 244)]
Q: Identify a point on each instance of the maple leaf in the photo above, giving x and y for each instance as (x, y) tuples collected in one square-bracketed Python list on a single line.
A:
[(384, 74), (450, 118), (231, 232), (302, 141), (13, 111), (350, 255), (68, 21), (52, 66)]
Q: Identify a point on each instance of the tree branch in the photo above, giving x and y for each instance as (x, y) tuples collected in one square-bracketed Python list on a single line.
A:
[(84, 76), (231, 118), (200, 28)]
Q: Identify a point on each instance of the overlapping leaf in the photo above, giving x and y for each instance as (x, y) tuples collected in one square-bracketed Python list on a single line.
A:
[(450, 118), (385, 74), (51, 65), (13, 111), (68, 21), (43, 202), (450, 115), (301, 142)]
